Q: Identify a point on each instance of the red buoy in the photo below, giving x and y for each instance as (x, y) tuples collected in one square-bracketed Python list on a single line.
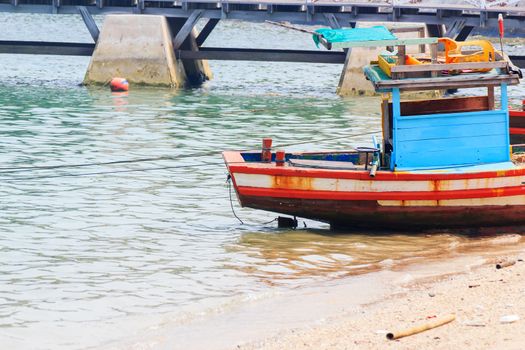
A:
[(118, 85)]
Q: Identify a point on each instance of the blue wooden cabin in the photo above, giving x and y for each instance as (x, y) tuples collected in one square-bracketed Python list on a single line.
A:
[(450, 138)]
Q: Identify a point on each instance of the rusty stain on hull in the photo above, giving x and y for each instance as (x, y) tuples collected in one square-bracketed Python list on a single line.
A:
[(498, 191), (292, 182)]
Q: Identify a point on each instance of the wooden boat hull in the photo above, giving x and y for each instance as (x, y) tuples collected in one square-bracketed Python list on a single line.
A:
[(401, 200), (369, 214)]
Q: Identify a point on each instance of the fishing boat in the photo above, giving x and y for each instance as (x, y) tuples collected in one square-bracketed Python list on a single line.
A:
[(441, 163)]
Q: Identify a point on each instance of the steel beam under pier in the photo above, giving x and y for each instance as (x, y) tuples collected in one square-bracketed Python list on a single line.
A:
[(90, 23), (205, 53), (234, 54), (46, 48), (206, 31), (519, 61)]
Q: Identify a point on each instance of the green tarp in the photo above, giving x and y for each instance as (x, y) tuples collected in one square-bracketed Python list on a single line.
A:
[(354, 34)]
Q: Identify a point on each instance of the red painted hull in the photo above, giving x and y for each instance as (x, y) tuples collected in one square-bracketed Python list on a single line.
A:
[(517, 127), (368, 214)]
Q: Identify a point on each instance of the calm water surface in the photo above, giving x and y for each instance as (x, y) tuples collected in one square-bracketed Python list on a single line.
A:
[(84, 255)]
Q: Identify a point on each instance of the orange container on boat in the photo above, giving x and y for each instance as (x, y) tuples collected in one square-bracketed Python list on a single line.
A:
[(412, 60), (454, 53)]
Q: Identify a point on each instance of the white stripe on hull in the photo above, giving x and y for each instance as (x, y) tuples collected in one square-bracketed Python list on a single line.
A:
[(351, 185), (467, 202)]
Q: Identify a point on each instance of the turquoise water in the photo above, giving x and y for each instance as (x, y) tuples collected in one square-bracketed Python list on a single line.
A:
[(87, 251)]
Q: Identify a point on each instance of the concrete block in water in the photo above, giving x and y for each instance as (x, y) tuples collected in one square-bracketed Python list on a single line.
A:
[(140, 49), (352, 81), (197, 71)]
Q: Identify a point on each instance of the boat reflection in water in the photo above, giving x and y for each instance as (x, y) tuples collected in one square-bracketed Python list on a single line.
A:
[(297, 257)]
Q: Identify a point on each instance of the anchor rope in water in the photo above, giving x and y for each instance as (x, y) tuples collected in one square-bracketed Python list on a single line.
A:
[(11, 170), (24, 178), (229, 182), (7, 170)]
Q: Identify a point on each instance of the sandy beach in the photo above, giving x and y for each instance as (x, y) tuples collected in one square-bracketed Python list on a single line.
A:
[(358, 311), (478, 297)]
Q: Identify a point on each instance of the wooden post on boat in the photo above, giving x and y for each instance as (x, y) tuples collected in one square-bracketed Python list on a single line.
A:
[(401, 59), (490, 97), (433, 58), (266, 154), (280, 157)]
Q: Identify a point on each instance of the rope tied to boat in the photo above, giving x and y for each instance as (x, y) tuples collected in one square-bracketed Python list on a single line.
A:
[(13, 170), (229, 182)]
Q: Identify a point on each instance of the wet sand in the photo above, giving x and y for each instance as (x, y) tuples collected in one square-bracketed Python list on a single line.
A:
[(477, 293), (355, 312)]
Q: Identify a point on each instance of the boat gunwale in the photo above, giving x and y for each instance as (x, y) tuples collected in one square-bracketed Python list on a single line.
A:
[(236, 164)]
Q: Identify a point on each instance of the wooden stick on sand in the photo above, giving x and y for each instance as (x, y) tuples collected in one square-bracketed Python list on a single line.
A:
[(505, 263), (421, 328)]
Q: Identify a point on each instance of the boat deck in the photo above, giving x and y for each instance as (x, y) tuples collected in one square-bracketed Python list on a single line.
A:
[(383, 83), (348, 161)]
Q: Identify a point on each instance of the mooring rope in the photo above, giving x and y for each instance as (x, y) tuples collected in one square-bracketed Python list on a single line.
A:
[(228, 180), (13, 169), (25, 178), (7, 170)]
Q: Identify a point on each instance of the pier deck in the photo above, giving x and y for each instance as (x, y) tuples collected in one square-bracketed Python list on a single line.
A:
[(451, 20), (293, 11)]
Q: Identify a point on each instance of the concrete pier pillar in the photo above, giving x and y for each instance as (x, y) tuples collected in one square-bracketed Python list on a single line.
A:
[(352, 81), (140, 49), (197, 71)]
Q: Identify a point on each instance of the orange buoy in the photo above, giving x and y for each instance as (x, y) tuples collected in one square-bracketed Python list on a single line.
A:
[(118, 85)]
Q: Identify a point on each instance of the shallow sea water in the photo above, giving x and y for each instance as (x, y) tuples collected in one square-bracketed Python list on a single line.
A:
[(90, 259)]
